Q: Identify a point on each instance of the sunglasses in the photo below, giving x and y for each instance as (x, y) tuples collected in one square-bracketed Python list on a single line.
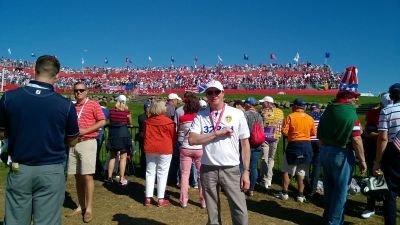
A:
[(215, 92), (79, 90)]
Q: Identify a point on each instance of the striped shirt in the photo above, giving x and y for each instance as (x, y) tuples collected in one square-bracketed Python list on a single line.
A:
[(89, 113), (117, 116), (389, 120)]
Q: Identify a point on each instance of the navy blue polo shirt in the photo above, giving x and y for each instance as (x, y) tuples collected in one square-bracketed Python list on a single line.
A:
[(37, 120)]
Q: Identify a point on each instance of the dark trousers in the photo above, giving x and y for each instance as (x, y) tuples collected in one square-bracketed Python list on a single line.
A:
[(391, 169), (100, 140)]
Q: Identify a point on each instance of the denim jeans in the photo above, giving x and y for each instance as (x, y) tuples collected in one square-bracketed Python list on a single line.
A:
[(100, 140), (254, 156), (337, 164), (194, 175)]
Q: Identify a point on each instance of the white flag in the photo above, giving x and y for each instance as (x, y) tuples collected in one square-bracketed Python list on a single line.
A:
[(220, 59), (296, 57), (83, 61), (9, 51), (150, 59)]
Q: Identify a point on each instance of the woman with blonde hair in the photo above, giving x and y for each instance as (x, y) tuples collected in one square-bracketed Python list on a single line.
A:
[(159, 137), (119, 138)]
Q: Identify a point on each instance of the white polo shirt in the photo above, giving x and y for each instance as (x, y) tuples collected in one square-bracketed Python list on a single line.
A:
[(221, 151)]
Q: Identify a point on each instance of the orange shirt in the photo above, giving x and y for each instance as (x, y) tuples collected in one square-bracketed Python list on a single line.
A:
[(298, 126)]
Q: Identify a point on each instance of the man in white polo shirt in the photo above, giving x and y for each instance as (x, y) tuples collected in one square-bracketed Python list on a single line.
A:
[(219, 128)]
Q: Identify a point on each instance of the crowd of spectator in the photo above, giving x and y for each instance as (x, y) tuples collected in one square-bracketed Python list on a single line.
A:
[(249, 77)]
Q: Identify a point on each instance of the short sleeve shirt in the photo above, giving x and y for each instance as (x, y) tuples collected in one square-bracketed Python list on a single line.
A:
[(389, 120), (222, 151), (89, 113)]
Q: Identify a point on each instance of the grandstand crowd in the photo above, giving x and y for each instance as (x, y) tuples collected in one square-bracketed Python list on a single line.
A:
[(141, 80)]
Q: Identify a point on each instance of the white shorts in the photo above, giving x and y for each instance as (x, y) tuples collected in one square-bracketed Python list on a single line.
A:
[(298, 169)]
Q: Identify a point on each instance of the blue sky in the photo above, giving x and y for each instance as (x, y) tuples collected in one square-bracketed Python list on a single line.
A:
[(361, 33)]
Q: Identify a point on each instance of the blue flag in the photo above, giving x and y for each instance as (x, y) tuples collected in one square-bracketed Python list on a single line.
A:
[(105, 60), (327, 54), (245, 57), (33, 54), (202, 88), (172, 59)]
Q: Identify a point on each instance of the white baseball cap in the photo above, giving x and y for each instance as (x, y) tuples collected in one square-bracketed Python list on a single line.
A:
[(121, 98), (174, 96), (385, 99), (215, 84), (267, 99)]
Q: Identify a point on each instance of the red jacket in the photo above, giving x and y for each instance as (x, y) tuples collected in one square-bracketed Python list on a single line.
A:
[(159, 135)]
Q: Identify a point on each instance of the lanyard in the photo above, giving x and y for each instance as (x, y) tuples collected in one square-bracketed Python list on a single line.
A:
[(80, 111), (219, 118)]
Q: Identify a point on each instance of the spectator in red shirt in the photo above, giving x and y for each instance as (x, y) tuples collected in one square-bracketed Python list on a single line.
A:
[(82, 158), (119, 138)]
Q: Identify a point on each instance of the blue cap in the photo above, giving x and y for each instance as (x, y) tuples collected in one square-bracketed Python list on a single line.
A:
[(314, 106), (147, 105), (250, 101), (394, 89), (299, 102)]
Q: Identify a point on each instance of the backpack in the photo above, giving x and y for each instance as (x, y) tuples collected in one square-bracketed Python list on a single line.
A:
[(257, 136)]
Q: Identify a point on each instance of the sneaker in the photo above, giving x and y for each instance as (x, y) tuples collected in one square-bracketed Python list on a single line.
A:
[(182, 205), (108, 181), (123, 182), (367, 214), (267, 184), (147, 202), (250, 193), (282, 196), (301, 199), (203, 205), (196, 186), (162, 202)]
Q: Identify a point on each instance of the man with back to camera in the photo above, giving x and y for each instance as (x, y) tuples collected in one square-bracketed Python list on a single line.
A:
[(36, 182), (220, 128), (388, 153), (339, 134), (298, 127), (273, 120), (82, 158)]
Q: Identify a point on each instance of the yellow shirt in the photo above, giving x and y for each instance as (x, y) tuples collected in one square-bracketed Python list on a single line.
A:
[(298, 126)]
